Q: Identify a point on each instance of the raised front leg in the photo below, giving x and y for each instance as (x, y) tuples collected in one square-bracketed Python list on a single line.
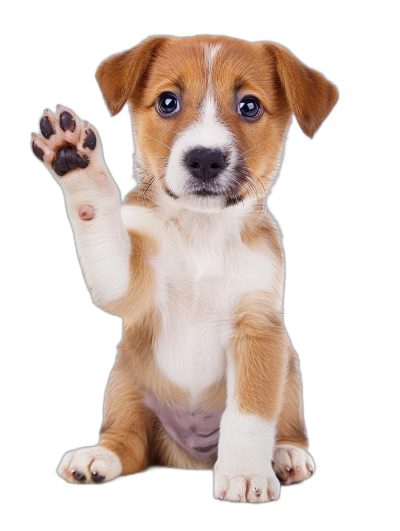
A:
[(72, 151), (257, 363)]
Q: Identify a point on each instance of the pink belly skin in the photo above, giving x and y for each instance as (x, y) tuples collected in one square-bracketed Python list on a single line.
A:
[(197, 431)]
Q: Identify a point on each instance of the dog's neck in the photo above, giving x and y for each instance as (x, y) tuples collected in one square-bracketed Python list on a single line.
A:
[(220, 226)]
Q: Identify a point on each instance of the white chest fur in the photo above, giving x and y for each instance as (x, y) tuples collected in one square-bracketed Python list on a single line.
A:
[(202, 271)]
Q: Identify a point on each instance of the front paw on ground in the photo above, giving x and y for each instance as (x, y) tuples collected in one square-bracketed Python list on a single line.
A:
[(90, 465), (292, 464), (243, 488), (66, 143)]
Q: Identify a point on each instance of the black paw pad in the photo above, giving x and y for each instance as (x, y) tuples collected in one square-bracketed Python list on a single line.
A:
[(79, 476), (46, 127), (37, 151), (90, 140), (97, 477), (67, 122), (68, 159)]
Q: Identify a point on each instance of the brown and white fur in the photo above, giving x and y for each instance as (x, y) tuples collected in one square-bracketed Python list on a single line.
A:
[(198, 280)]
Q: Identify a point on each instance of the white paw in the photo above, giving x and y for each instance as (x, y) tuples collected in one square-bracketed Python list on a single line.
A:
[(66, 143), (246, 487), (292, 464), (90, 465)]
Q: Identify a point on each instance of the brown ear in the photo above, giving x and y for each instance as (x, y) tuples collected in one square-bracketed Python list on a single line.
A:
[(120, 75), (310, 96)]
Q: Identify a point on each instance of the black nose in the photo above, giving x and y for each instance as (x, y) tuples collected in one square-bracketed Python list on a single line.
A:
[(205, 164)]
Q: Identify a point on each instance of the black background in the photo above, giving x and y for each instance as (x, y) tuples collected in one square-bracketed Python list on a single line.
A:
[(65, 347)]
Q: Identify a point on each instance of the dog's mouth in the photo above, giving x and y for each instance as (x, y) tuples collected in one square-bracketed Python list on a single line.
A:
[(206, 189), (205, 193), (226, 198)]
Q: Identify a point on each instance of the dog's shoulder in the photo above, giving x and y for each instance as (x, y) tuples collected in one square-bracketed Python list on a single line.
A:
[(139, 215), (261, 234)]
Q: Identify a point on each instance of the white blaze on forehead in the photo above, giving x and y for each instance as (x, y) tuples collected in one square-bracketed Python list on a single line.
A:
[(210, 51), (208, 131), (209, 110)]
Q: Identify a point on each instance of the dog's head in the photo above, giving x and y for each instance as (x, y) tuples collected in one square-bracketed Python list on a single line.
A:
[(210, 113)]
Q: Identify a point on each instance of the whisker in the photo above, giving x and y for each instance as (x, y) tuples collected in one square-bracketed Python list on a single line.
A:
[(259, 157), (156, 139), (263, 173), (254, 147), (263, 212), (150, 182)]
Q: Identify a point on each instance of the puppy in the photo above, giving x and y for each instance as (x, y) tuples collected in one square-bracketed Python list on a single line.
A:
[(206, 374)]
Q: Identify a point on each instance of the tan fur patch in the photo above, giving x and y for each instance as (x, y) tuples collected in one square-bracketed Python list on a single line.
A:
[(181, 66), (260, 351), (138, 301), (290, 427)]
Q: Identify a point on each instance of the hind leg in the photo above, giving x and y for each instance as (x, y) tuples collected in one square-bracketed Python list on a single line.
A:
[(124, 436), (292, 463)]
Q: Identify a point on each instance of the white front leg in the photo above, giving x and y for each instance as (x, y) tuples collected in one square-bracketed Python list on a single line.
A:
[(72, 151), (102, 242), (243, 471)]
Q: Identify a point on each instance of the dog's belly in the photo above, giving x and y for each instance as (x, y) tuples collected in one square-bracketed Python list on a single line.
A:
[(196, 430)]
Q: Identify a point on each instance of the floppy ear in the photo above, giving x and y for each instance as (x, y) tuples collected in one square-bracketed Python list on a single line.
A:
[(120, 75), (310, 96)]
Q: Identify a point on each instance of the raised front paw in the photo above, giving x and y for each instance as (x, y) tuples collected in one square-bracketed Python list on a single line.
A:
[(66, 143), (246, 487), (292, 464), (90, 465)]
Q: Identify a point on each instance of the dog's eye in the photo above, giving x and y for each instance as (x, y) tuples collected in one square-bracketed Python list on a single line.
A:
[(249, 108), (168, 104)]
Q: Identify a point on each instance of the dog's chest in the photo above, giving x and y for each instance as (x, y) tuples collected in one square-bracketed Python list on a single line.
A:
[(201, 281)]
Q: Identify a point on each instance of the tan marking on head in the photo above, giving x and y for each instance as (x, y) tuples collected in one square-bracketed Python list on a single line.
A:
[(229, 69)]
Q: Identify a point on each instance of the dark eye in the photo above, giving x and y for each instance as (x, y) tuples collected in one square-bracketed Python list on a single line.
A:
[(168, 104), (249, 107)]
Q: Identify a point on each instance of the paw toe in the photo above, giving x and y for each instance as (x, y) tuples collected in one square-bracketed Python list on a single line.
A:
[(46, 127), (79, 476), (97, 478), (90, 465), (67, 122), (90, 139), (241, 488), (292, 464)]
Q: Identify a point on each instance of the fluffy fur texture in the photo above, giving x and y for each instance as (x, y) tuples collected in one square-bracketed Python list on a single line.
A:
[(194, 267)]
